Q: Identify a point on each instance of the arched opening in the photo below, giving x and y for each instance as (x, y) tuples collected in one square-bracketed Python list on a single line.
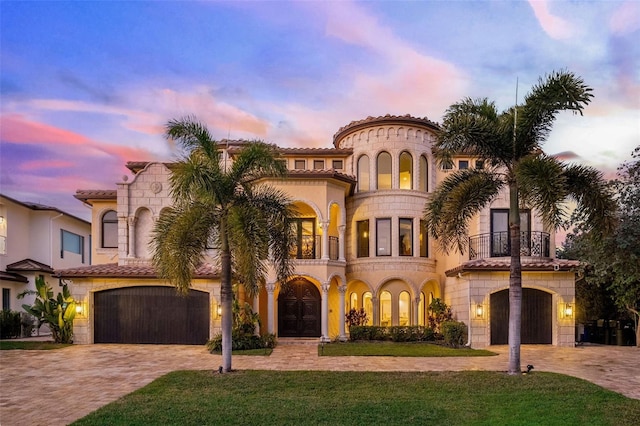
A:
[(404, 308), (385, 309), (299, 310), (406, 171), (109, 231), (384, 171), (423, 174), (363, 173), (367, 304)]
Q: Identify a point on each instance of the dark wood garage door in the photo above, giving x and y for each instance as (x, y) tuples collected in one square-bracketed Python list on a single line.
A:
[(156, 315), (537, 317), (299, 310)]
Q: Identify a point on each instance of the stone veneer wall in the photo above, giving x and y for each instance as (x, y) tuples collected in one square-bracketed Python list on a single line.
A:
[(477, 287)]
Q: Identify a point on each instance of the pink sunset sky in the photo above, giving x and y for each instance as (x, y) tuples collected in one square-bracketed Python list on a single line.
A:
[(87, 86)]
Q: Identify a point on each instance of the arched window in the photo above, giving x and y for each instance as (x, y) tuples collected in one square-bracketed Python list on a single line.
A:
[(423, 174), (421, 317), (404, 308), (353, 301), (385, 309), (406, 171), (110, 229), (363, 173), (384, 171), (367, 304)]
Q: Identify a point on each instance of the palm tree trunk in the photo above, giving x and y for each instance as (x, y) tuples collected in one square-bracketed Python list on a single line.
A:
[(226, 296), (515, 280)]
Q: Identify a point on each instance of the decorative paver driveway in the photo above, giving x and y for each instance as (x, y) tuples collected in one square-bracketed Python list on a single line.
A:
[(77, 380)]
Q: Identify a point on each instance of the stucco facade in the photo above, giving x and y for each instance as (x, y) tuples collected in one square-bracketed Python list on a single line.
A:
[(362, 242)]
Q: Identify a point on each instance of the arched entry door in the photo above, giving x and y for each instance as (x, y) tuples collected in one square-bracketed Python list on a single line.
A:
[(299, 310), (537, 315)]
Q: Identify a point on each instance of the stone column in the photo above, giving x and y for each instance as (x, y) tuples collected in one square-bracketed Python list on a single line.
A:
[(341, 243), (342, 290), (376, 310), (325, 239), (271, 287), (325, 312), (415, 312), (131, 221)]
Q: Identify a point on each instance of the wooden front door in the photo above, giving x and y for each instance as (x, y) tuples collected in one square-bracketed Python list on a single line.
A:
[(151, 314), (537, 317), (299, 310)]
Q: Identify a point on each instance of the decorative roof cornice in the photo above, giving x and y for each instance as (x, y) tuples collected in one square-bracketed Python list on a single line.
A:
[(384, 119), (86, 195), (503, 264), (10, 276), (113, 270)]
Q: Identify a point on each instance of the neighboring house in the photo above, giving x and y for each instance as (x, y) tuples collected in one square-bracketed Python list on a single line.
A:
[(361, 242), (34, 240)]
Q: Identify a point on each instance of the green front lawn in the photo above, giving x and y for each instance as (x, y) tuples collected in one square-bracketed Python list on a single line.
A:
[(367, 398), (6, 345), (396, 349)]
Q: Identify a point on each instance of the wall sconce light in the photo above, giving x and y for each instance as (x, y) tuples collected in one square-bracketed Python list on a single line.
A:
[(79, 309), (568, 310), (478, 310), (1, 220), (219, 311)]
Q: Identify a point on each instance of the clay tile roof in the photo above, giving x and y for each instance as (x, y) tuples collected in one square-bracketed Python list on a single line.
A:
[(503, 264), (385, 119), (29, 265), (113, 270), (85, 195), (10, 276)]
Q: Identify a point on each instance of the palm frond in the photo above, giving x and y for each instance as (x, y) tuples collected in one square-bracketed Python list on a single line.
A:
[(596, 207), (472, 127), (256, 160), (456, 200), (543, 185), (558, 91), (179, 240), (190, 134)]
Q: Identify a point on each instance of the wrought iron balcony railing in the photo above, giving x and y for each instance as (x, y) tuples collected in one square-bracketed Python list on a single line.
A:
[(311, 248), (497, 244)]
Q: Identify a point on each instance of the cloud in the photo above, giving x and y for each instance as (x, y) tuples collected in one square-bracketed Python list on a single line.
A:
[(15, 128), (45, 164), (626, 18), (555, 27)]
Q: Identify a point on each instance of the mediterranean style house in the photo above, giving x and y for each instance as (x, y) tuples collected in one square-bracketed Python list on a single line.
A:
[(35, 240), (361, 243)]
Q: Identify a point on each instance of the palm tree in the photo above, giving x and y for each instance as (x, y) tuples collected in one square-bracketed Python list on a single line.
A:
[(509, 143), (225, 206)]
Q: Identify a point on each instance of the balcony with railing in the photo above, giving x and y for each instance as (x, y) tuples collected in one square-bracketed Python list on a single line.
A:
[(310, 247), (497, 244)]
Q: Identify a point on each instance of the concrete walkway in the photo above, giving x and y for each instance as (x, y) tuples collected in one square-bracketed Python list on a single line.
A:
[(77, 380)]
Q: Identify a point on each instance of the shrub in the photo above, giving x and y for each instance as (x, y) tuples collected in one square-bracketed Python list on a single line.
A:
[(9, 324), (454, 333), (356, 317), (397, 333), (413, 333), (240, 342), (367, 332), (439, 313)]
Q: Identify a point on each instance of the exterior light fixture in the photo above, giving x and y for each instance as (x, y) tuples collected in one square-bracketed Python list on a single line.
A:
[(568, 310), (219, 311), (79, 309), (1, 220), (479, 311)]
